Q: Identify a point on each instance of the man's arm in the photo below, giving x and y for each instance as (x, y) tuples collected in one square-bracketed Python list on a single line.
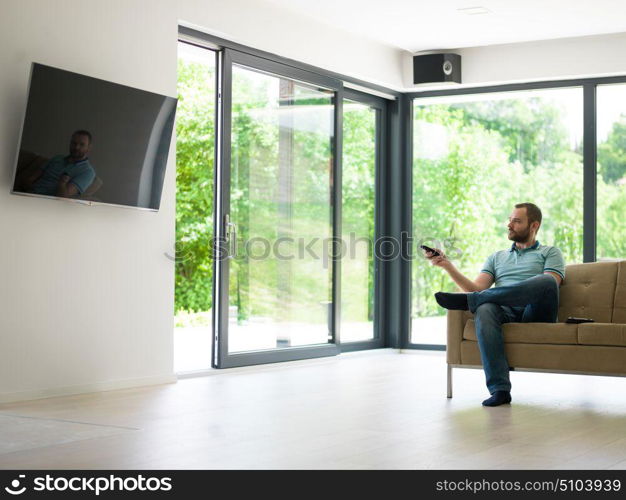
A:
[(482, 281), (556, 277), (555, 265), (65, 188)]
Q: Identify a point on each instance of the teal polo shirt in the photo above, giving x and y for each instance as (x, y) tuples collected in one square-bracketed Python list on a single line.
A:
[(81, 175), (514, 265)]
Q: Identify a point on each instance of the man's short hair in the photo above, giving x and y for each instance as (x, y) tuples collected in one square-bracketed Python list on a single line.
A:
[(83, 132), (532, 211)]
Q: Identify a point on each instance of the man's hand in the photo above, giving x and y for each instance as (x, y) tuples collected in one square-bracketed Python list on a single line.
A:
[(65, 188), (482, 282), (438, 260)]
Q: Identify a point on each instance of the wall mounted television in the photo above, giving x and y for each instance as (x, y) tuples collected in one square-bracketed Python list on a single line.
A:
[(93, 141)]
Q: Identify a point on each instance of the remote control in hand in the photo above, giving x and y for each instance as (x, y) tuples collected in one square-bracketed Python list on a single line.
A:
[(434, 252)]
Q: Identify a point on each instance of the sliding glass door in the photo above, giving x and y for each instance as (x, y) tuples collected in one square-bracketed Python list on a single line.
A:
[(363, 154), (276, 218)]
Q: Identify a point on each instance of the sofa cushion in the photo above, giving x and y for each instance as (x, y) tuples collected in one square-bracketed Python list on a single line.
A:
[(602, 334), (588, 291), (619, 306), (531, 333)]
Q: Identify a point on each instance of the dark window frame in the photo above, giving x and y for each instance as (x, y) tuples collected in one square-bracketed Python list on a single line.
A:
[(589, 103)]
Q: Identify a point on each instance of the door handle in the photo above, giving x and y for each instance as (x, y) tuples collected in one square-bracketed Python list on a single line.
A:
[(231, 234)]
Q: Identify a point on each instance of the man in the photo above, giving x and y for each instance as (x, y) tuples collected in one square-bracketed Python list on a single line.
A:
[(65, 176), (527, 278)]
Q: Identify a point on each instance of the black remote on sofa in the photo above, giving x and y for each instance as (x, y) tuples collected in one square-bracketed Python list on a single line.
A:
[(572, 319)]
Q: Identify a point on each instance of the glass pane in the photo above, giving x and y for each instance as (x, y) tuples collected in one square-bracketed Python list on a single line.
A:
[(195, 138), (281, 171), (358, 201), (611, 231), (475, 157)]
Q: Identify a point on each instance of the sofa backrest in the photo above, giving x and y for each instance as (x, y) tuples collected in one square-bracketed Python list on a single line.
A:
[(619, 305), (588, 291)]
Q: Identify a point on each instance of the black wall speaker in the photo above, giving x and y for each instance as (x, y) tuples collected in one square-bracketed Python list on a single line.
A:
[(434, 68)]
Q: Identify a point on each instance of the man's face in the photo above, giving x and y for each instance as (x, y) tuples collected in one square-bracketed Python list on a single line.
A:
[(519, 228), (79, 146)]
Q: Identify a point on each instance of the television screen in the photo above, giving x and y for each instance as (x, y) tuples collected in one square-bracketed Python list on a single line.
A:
[(93, 141)]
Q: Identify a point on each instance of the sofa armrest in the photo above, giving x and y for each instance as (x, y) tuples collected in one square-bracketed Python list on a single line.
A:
[(456, 325)]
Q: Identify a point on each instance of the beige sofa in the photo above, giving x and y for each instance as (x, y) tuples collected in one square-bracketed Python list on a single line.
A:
[(595, 290)]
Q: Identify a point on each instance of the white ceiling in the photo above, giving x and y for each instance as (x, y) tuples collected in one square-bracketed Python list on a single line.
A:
[(420, 25)]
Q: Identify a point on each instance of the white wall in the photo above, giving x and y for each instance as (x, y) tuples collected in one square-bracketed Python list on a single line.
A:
[(86, 294), (534, 61), (265, 26)]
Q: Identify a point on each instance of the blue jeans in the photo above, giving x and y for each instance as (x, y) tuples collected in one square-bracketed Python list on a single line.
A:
[(533, 300)]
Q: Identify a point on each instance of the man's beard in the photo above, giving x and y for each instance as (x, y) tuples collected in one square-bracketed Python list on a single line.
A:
[(76, 156), (519, 237)]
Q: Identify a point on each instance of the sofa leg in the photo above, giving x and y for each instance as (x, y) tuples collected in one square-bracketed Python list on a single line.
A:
[(449, 381)]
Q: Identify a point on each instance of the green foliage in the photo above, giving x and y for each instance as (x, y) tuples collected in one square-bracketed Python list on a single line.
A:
[(358, 211), (532, 131), (611, 228), (195, 139), (612, 153), (280, 168)]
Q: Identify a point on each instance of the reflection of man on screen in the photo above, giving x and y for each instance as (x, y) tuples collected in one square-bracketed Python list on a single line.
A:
[(65, 176)]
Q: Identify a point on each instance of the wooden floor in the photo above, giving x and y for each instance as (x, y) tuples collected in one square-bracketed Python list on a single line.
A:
[(373, 410)]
